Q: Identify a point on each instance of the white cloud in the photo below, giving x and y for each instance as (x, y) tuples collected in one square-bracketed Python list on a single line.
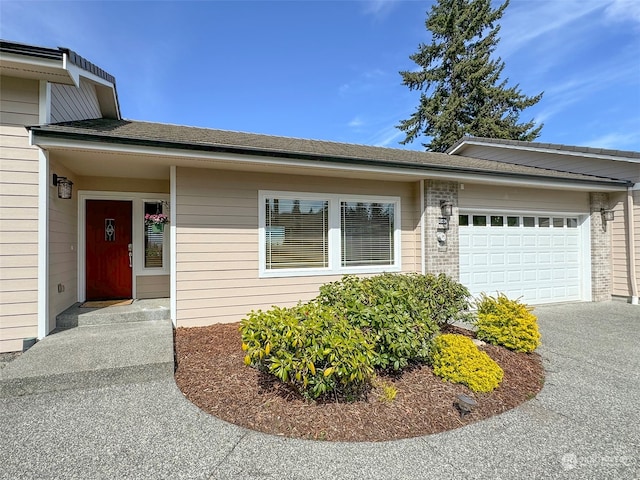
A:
[(617, 141), (385, 137), (624, 10), (356, 122), (379, 8), (526, 21), (365, 81)]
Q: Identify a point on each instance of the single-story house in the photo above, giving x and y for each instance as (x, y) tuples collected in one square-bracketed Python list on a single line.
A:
[(257, 220)]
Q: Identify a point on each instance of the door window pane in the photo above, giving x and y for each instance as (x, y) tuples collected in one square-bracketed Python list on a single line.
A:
[(529, 221), (463, 220), (543, 221), (367, 231), (296, 233), (558, 222), (572, 222)]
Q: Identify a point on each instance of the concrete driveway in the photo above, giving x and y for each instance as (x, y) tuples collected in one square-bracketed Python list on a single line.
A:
[(584, 424)]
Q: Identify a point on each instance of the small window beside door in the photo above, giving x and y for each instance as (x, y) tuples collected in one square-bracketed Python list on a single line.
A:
[(153, 238)]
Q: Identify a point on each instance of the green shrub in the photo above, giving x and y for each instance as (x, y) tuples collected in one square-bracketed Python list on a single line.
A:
[(457, 359), (310, 347), (399, 313), (508, 323)]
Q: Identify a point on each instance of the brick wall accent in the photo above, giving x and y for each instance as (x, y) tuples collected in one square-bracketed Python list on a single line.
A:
[(600, 249), (441, 257)]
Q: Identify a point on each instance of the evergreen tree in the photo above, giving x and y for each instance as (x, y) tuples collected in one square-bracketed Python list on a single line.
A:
[(462, 93)]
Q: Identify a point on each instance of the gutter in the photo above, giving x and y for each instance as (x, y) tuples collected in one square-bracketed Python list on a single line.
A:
[(229, 149), (632, 250)]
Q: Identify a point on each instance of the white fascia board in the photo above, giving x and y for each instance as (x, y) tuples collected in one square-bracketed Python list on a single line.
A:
[(543, 150), (31, 62), (411, 173), (76, 72)]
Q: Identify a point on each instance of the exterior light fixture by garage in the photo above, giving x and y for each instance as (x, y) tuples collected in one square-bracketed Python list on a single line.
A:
[(446, 208), (607, 215), (65, 186)]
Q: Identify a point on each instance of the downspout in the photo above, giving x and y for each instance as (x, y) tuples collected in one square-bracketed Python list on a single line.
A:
[(632, 247), (423, 256)]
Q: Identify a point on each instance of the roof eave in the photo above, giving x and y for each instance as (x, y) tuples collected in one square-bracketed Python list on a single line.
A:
[(461, 144), (39, 133)]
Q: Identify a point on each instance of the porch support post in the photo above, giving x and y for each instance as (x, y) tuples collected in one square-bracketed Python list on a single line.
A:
[(43, 243), (173, 287)]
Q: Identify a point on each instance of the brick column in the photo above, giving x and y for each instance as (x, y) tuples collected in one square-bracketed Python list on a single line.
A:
[(441, 257), (600, 249)]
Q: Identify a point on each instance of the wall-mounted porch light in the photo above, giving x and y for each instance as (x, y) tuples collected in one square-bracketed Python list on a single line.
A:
[(65, 186), (607, 215), (446, 209)]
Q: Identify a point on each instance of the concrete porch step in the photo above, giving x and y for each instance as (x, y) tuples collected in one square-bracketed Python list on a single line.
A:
[(91, 357), (138, 311)]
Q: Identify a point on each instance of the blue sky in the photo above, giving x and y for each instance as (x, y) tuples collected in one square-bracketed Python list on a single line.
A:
[(329, 70)]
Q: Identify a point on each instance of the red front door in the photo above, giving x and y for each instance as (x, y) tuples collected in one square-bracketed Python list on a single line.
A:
[(108, 238)]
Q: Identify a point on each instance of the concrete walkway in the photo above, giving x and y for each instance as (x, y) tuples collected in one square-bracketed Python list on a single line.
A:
[(584, 424)]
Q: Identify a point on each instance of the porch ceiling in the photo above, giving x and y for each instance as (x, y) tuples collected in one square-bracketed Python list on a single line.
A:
[(100, 163)]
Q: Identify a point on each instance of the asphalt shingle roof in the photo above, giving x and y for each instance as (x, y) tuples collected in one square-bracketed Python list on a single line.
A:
[(203, 139), (559, 148)]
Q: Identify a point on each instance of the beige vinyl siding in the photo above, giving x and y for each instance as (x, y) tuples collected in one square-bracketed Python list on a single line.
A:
[(152, 286), (70, 103), (63, 248), (217, 241), (522, 199), (113, 184), (18, 213), (620, 243), (567, 163)]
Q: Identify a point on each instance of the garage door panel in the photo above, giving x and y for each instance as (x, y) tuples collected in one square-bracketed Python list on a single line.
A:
[(497, 259), (544, 241), (514, 241), (544, 274), (497, 241), (544, 257), (537, 264), (480, 240)]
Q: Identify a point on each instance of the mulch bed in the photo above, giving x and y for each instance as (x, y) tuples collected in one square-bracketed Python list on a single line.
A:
[(211, 373)]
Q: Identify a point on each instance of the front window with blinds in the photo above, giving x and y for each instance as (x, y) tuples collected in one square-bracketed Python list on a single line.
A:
[(367, 233), (296, 233), (153, 238), (319, 234)]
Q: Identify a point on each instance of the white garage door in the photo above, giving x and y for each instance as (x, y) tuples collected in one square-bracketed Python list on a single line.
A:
[(535, 257)]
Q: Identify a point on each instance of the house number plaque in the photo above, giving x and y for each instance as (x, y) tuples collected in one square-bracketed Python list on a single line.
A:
[(110, 229)]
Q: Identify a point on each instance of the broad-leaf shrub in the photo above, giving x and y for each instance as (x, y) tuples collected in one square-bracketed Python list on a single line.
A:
[(311, 348), (457, 359), (399, 313), (506, 322)]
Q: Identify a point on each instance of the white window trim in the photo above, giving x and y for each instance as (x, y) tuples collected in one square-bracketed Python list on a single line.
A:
[(334, 240), (141, 270)]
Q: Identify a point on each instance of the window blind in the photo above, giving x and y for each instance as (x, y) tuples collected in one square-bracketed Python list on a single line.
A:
[(296, 233), (367, 231)]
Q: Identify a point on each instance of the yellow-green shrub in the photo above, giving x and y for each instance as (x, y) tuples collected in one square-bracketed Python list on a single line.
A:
[(310, 347), (457, 359), (508, 323)]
